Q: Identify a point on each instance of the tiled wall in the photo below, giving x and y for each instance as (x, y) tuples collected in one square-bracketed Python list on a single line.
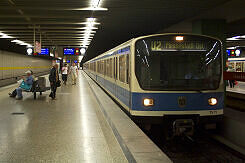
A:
[(13, 65)]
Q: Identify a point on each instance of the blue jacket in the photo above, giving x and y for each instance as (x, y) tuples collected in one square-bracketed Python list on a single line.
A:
[(27, 84)]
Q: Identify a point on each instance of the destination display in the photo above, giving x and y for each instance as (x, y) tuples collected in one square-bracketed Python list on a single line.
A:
[(174, 45), (44, 51), (72, 51), (69, 51)]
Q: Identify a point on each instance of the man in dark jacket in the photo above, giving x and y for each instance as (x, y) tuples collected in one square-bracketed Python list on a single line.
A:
[(53, 79)]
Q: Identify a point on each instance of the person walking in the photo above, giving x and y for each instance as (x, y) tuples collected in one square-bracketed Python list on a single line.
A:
[(64, 73), (74, 73), (54, 80)]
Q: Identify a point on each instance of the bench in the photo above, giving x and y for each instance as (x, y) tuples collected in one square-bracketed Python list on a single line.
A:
[(37, 87)]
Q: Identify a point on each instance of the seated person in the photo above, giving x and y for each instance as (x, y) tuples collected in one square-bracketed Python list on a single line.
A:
[(25, 85)]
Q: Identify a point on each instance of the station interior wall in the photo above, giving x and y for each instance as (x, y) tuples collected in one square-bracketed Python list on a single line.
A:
[(14, 65)]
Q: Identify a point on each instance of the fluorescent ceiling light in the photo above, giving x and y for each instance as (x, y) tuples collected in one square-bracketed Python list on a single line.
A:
[(232, 39), (93, 23), (6, 36), (95, 3), (89, 28), (15, 41), (91, 19), (90, 9)]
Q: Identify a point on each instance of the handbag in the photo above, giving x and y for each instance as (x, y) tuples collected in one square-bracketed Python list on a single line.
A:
[(58, 83), (25, 86)]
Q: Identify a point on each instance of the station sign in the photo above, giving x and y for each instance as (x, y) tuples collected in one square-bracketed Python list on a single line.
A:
[(74, 51), (43, 52)]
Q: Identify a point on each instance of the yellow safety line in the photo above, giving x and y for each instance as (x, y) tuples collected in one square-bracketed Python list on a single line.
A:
[(15, 68)]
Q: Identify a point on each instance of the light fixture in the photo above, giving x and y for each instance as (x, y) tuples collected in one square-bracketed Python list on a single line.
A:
[(148, 102), (92, 9), (29, 51), (179, 38), (212, 101), (91, 19), (6, 36), (95, 3), (237, 52), (82, 50)]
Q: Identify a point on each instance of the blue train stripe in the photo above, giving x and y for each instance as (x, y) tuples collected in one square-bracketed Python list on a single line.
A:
[(169, 101), (162, 101)]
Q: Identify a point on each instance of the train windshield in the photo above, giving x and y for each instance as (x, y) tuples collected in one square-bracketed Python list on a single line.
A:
[(162, 63)]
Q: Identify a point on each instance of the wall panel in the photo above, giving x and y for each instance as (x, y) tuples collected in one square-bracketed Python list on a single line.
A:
[(13, 66)]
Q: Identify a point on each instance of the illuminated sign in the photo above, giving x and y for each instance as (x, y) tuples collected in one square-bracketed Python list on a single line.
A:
[(69, 51), (171, 45), (72, 51), (228, 52), (44, 51), (77, 51), (233, 52)]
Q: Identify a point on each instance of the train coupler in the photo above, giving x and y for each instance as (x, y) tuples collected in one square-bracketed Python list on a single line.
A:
[(183, 126)]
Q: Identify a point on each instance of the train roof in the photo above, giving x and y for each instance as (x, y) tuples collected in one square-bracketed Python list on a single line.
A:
[(123, 45)]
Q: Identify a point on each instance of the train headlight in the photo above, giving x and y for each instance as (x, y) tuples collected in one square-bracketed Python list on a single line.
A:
[(212, 101), (148, 102)]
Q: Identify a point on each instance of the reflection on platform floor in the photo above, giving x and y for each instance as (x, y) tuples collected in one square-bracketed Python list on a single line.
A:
[(239, 88), (64, 130)]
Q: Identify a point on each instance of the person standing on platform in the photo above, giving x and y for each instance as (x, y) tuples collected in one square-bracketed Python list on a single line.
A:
[(231, 82), (64, 73), (54, 80), (74, 73)]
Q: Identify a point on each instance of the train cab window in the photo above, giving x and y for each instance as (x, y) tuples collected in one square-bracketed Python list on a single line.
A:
[(122, 68), (178, 69)]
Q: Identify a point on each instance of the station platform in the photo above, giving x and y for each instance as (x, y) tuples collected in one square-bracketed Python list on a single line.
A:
[(82, 125), (240, 88)]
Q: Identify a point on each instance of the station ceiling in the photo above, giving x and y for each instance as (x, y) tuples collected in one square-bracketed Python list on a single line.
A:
[(63, 22)]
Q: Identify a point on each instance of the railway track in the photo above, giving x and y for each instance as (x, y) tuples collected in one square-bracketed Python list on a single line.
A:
[(199, 149)]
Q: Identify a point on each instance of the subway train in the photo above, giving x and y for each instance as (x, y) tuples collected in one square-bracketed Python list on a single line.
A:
[(174, 79), (14, 65)]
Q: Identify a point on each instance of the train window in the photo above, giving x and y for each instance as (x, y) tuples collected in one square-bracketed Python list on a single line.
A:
[(106, 71), (104, 67), (115, 72), (111, 68), (127, 69), (116, 67), (122, 68)]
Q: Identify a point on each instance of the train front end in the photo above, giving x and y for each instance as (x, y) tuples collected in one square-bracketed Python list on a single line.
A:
[(177, 78)]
